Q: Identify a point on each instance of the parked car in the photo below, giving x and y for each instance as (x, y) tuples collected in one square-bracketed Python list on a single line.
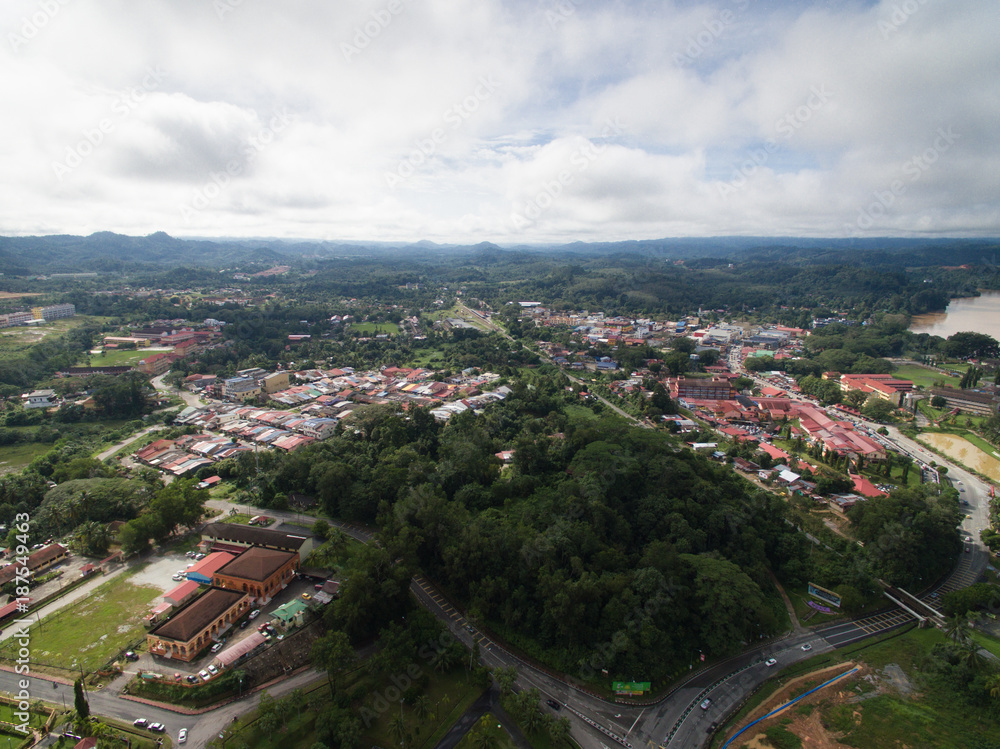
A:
[(807, 647), (704, 705), (205, 676), (244, 623), (255, 613), (182, 736), (217, 647), (157, 727), (199, 556), (213, 670), (178, 576), (139, 722), (306, 597), (192, 679), (131, 655)]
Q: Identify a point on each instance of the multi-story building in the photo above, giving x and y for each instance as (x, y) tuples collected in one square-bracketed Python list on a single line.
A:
[(240, 388), (53, 312), (195, 626), (12, 319), (261, 573), (156, 364), (275, 382), (711, 388)]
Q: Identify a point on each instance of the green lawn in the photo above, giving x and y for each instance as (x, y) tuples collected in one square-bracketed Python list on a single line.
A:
[(115, 358), (374, 328), (17, 456), (92, 630), (923, 376)]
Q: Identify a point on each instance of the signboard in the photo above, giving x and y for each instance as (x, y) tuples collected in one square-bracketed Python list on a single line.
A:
[(631, 688), (827, 596), (824, 609)]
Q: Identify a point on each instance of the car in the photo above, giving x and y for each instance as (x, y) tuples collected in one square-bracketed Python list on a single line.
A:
[(217, 647), (267, 636), (199, 557), (318, 586), (177, 577), (213, 670), (280, 638), (157, 727), (306, 597), (553, 704), (192, 679), (190, 554), (182, 736), (961, 488), (139, 722), (131, 655), (254, 614), (807, 647), (704, 705), (244, 623), (770, 662), (205, 676)]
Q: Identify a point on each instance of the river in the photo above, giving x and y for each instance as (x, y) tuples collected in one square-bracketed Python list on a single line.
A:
[(965, 452), (979, 314)]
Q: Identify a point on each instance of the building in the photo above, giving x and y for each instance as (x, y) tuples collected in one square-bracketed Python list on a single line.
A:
[(969, 401), (290, 615), (198, 624), (37, 562), (885, 387), (235, 538), (119, 340), (204, 571), (41, 399), (274, 382), (259, 572), (55, 312), (711, 388), (240, 389), (156, 364), (13, 319)]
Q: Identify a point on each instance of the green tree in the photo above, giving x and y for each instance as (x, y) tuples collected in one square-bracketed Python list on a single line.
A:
[(80, 700), (333, 653)]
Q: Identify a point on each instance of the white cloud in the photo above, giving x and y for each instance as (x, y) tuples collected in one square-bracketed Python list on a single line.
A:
[(626, 119)]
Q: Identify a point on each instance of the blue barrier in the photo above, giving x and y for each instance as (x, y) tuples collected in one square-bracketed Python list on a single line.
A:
[(789, 704)]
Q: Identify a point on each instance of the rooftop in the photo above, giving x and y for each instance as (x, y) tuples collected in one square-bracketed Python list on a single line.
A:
[(256, 564), (200, 613)]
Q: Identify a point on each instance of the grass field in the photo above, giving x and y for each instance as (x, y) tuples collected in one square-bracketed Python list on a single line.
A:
[(923, 376), (374, 328), (92, 630), (487, 726), (15, 340), (114, 358), (15, 457)]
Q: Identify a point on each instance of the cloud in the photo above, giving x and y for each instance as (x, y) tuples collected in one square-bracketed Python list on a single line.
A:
[(453, 120)]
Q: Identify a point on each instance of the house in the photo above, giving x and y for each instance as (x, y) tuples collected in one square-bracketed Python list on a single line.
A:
[(198, 624), (156, 364), (240, 388), (41, 399), (290, 615)]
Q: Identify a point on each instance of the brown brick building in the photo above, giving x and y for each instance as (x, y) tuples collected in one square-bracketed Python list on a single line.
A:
[(259, 572), (194, 627)]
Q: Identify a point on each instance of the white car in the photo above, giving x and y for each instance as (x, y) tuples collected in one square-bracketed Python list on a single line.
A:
[(770, 662), (255, 613), (217, 647), (213, 670), (807, 647), (704, 705), (205, 676), (182, 736)]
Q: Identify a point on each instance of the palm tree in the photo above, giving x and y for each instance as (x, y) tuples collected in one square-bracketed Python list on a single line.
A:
[(482, 738), (971, 655), (559, 731), (957, 628), (421, 707), (398, 728), (993, 685)]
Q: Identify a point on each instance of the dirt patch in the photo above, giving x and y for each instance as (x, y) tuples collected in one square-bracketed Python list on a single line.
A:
[(894, 678)]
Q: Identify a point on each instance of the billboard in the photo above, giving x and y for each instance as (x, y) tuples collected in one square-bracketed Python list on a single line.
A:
[(823, 594), (632, 688)]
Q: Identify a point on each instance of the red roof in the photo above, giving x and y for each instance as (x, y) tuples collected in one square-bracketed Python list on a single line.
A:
[(865, 487)]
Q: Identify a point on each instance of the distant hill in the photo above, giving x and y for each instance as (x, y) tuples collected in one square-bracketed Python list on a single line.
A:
[(116, 253)]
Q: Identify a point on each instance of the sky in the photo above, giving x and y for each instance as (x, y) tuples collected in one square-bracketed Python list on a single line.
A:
[(510, 121)]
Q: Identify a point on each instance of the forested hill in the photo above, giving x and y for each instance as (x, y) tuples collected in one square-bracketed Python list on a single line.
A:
[(116, 253)]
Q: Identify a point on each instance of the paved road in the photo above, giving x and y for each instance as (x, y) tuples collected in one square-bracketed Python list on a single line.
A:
[(138, 435), (188, 397)]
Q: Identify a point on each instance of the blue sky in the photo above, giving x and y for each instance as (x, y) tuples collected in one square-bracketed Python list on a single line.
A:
[(512, 122)]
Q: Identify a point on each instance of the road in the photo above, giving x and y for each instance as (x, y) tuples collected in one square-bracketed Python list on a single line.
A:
[(138, 435), (188, 397)]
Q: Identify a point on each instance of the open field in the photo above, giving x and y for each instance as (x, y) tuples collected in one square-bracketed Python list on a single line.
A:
[(924, 376), (112, 616), (115, 358), (15, 457), (16, 339), (19, 295), (374, 328)]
